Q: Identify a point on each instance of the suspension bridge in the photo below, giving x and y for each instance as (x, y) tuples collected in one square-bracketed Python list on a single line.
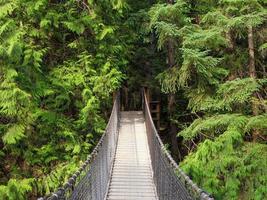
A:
[(129, 162)]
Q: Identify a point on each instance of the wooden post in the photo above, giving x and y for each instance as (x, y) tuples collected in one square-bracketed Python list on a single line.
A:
[(114, 95), (154, 107), (147, 94), (155, 112)]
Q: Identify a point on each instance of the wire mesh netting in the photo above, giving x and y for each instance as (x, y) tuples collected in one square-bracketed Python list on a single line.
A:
[(90, 182), (170, 181)]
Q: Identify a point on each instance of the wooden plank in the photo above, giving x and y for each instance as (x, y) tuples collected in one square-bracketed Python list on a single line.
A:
[(132, 171)]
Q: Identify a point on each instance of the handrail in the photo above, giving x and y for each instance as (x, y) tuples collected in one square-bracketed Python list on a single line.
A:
[(91, 180), (86, 173), (180, 184)]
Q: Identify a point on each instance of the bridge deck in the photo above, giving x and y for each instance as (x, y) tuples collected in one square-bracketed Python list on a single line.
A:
[(132, 174)]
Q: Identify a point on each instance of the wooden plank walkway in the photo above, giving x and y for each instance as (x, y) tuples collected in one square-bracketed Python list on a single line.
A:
[(132, 174)]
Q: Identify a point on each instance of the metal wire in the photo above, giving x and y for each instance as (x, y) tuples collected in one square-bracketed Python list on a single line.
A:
[(171, 182), (91, 181)]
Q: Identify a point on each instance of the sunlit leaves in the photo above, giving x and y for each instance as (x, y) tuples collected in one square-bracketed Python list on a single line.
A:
[(225, 165), (105, 32), (216, 125), (109, 80), (54, 78), (16, 189), (167, 20), (75, 26), (118, 4), (230, 94), (46, 184), (45, 23), (33, 57), (257, 122), (7, 8), (13, 99), (14, 134)]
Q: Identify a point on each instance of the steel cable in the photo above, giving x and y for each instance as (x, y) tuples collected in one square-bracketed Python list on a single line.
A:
[(171, 182), (90, 182)]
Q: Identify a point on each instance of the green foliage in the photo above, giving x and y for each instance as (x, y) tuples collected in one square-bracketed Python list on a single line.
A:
[(214, 126), (229, 168), (169, 80), (226, 141), (56, 178), (167, 20), (258, 122), (60, 61), (14, 103), (14, 134), (59, 64), (16, 189), (228, 96)]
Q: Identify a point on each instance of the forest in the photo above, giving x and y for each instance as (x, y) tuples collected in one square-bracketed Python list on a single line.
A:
[(204, 60)]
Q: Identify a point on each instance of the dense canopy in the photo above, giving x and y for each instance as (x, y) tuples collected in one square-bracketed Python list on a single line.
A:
[(205, 60)]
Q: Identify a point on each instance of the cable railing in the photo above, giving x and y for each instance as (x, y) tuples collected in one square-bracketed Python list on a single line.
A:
[(91, 180), (170, 181)]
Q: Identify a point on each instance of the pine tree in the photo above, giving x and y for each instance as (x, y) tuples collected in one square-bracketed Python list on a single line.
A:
[(224, 84), (166, 20)]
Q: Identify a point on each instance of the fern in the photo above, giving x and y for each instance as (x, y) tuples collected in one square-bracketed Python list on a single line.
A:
[(33, 57), (7, 8), (14, 104), (119, 4), (108, 80), (60, 174), (105, 32), (75, 27), (16, 189), (14, 134)]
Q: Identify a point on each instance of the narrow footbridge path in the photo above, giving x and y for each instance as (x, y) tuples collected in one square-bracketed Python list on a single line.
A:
[(132, 176), (130, 162)]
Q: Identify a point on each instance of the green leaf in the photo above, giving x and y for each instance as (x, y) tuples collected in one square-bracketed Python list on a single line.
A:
[(76, 149), (75, 27), (14, 134), (106, 31)]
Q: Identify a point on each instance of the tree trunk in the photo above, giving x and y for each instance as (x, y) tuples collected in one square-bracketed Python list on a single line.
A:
[(252, 74), (252, 70), (173, 128), (170, 1), (231, 41), (171, 100), (230, 50), (171, 53)]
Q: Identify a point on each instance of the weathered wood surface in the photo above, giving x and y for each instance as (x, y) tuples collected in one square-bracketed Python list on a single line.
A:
[(132, 174)]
